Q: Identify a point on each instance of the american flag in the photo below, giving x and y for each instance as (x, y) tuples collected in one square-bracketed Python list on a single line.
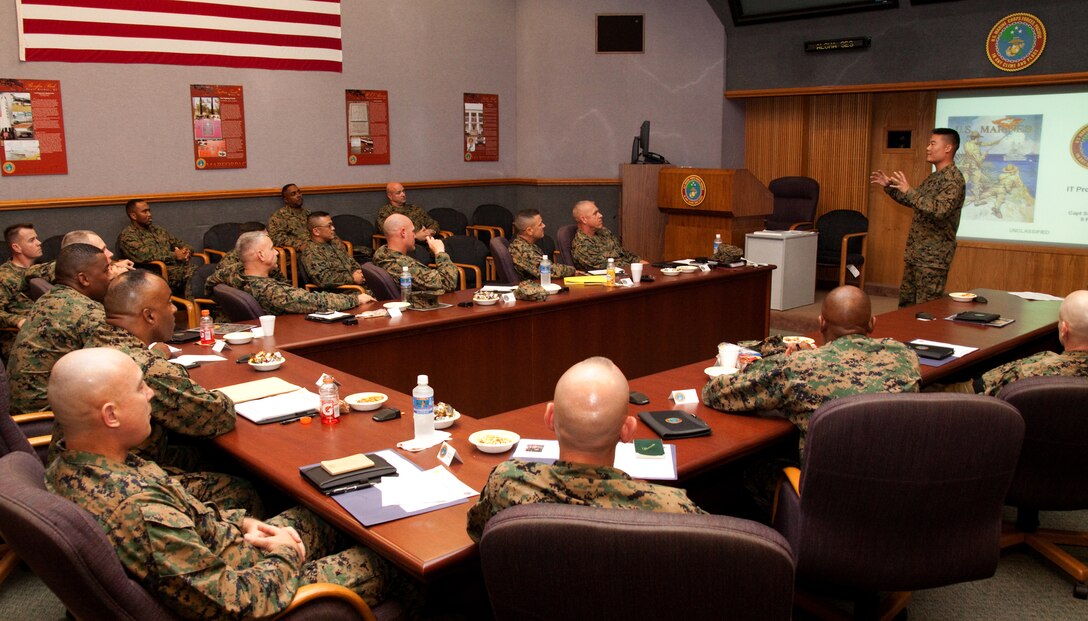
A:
[(266, 34)]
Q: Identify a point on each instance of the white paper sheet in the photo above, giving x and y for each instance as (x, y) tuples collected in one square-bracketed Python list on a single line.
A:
[(191, 358), (659, 469), (294, 402), (1032, 295), (413, 491), (958, 351)]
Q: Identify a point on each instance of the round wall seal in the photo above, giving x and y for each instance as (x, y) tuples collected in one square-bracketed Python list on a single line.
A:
[(201, 163), (1016, 41), (352, 160), (9, 168), (1078, 147), (693, 190)]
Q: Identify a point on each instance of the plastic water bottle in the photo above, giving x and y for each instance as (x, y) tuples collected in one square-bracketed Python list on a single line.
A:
[(545, 271), (423, 408), (330, 401), (207, 329), (405, 284), (610, 273), (717, 242)]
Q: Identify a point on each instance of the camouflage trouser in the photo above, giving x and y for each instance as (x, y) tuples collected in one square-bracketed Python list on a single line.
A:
[(360, 569), (921, 284), (224, 490)]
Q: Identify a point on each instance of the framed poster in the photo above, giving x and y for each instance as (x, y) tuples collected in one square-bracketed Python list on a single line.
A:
[(219, 126), (368, 127), (481, 128), (31, 128)]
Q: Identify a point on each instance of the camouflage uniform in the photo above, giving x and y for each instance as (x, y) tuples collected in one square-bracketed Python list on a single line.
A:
[(419, 218), (277, 298), (155, 244), (427, 282), (931, 241), (229, 271), (515, 482), (592, 253), (192, 555), (60, 322), (527, 257), (800, 383), (328, 265), (287, 226), (1047, 363), (15, 304), (179, 405)]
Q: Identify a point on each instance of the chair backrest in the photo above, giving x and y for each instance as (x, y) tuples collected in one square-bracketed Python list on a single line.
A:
[(795, 200), (222, 236), (449, 219), (470, 251), (354, 229), (1050, 474), (547, 244), (494, 215), (50, 248), (67, 549), (565, 236), (12, 438), (36, 287), (237, 304), (833, 226), (918, 478), (546, 561), (505, 273), (380, 282), (200, 275)]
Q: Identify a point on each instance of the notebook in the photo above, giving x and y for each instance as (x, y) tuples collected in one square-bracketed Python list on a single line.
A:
[(675, 424)]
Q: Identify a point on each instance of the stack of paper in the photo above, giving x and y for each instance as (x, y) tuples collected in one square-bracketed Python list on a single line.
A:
[(279, 407), (658, 469)]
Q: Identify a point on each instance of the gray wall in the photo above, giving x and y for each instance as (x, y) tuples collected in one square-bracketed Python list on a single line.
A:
[(943, 41)]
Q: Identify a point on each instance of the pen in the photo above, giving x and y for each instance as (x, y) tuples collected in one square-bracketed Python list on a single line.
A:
[(295, 417), (347, 488)]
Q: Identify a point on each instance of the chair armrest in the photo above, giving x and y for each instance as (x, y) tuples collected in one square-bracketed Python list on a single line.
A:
[(38, 442), (489, 263), (321, 590), (212, 252), (476, 229), (288, 263), (378, 240), (203, 303), (462, 280), (349, 246), (32, 417), (792, 477), (154, 266), (192, 313), (444, 233), (203, 256), (352, 288), (797, 225), (852, 235), (465, 267)]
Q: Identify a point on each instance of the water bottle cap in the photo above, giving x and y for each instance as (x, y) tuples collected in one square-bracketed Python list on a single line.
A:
[(422, 380)]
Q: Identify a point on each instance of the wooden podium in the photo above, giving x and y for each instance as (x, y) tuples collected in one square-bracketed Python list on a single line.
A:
[(702, 202)]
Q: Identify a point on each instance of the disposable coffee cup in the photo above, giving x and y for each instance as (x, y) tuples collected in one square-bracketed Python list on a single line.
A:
[(727, 355), (268, 324), (636, 272)]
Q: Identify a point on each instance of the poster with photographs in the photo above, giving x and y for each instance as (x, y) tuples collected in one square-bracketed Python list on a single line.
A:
[(31, 128), (481, 128), (368, 127), (219, 126)]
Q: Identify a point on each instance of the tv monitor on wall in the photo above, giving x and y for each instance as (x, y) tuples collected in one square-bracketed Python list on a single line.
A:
[(747, 12)]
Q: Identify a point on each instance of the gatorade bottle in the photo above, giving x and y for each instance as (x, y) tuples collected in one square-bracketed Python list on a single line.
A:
[(207, 329), (330, 401), (610, 273)]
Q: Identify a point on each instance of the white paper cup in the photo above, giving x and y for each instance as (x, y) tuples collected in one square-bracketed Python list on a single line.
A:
[(636, 272), (268, 325), (727, 355)]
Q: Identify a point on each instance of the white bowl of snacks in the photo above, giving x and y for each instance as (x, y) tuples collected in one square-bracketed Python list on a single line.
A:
[(444, 415), (798, 340), (670, 271), (494, 440), (960, 296), (238, 338), (266, 360), (486, 298), (366, 401)]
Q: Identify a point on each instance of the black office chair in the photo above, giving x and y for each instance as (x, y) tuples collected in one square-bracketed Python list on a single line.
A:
[(505, 272), (449, 220), (495, 216), (795, 201), (50, 248), (384, 287), (36, 287), (356, 231), (237, 304), (565, 236), (219, 239), (470, 254), (842, 242)]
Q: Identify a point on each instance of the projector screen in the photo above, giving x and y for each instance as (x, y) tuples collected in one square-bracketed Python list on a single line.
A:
[(1024, 155)]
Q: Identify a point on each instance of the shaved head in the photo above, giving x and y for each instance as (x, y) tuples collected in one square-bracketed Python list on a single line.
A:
[(846, 310), (590, 406), (82, 381), (396, 223), (1073, 320), (583, 208)]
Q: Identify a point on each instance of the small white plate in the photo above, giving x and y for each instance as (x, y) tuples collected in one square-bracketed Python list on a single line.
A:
[(400, 305), (687, 269), (670, 271), (238, 338), (713, 372), (356, 401), (442, 423), (962, 297), (798, 339), (552, 288), (510, 438), (485, 302)]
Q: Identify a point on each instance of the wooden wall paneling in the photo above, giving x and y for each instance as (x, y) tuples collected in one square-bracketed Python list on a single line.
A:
[(889, 221), (837, 150), (774, 137), (1018, 267)]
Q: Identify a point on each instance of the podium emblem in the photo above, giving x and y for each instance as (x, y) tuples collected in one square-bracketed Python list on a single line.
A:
[(693, 190)]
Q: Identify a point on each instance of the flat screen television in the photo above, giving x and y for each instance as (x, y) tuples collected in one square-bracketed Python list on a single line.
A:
[(747, 12)]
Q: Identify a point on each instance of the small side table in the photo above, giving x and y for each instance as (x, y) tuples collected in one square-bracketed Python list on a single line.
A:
[(793, 284)]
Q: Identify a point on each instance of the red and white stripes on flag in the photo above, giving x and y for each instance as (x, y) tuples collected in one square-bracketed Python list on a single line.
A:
[(266, 34)]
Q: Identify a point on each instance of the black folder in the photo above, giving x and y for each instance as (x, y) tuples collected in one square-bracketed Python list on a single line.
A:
[(356, 479), (675, 424), (933, 352)]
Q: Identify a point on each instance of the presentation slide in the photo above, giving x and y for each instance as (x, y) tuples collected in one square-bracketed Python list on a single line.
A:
[(1025, 160)]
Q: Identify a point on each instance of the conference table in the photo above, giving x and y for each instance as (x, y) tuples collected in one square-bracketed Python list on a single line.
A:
[(430, 544)]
